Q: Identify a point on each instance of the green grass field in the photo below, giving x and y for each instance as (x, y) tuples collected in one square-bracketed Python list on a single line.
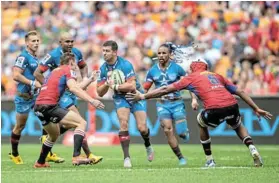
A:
[(234, 164)]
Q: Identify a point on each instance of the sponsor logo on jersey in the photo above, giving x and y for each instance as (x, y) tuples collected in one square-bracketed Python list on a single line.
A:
[(19, 61)]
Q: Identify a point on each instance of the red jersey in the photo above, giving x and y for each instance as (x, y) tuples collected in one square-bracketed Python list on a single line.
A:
[(212, 89), (55, 85)]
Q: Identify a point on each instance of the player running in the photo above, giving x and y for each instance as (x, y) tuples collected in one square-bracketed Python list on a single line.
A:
[(170, 108), (52, 115), (216, 93), (68, 100), (123, 107), (25, 64)]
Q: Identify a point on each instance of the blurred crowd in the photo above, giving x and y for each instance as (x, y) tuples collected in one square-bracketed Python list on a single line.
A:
[(240, 40)]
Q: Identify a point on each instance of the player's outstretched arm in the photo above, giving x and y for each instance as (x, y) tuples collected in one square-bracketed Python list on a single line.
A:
[(38, 74), (152, 94), (87, 81), (73, 87), (259, 112)]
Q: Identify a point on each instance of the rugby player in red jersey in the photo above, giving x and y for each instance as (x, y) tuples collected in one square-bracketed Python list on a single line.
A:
[(216, 94), (51, 114)]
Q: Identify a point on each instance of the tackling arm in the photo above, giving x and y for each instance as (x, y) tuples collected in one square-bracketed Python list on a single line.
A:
[(73, 87), (159, 92), (87, 81)]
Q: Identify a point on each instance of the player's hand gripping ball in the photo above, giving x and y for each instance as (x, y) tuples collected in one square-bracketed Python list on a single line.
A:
[(117, 76)]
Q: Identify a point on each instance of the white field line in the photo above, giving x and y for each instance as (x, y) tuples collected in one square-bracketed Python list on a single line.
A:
[(120, 159), (119, 169)]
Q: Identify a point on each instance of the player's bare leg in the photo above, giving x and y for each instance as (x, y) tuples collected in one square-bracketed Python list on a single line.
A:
[(205, 141), (206, 144), (15, 137), (73, 120), (53, 131), (242, 133), (145, 133), (123, 116), (95, 159), (172, 141)]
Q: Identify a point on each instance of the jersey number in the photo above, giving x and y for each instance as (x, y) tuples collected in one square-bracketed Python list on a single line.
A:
[(213, 80)]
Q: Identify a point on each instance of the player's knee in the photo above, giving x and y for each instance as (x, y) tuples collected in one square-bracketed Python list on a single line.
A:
[(201, 122), (53, 136), (123, 125), (19, 127), (82, 124), (142, 128), (168, 128), (181, 127)]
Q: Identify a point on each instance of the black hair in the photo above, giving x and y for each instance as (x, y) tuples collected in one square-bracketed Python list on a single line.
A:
[(111, 43)]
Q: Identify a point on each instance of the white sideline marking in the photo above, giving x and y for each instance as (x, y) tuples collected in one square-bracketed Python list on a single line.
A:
[(120, 169)]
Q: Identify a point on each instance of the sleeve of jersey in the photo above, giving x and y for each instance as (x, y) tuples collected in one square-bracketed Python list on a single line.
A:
[(81, 62), (21, 62), (70, 74), (129, 72), (102, 78), (44, 62), (148, 81), (229, 85), (181, 84)]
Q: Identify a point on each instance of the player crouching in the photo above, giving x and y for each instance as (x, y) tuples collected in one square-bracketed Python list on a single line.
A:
[(52, 115)]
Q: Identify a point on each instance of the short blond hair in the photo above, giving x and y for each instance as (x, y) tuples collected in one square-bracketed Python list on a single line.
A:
[(31, 33)]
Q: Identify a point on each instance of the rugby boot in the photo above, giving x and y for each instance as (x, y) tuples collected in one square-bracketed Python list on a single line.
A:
[(38, 165), (16, 159), (258, 162), (80, 160), (150, 153), (95, 159)]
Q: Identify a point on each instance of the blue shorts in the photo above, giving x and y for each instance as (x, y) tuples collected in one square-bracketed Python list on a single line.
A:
[(23, 106), (174, 110), (67, 100), (137, 106)]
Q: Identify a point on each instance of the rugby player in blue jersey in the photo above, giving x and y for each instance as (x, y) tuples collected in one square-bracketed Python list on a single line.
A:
[(123, 107), (170, 108), (25, 64)]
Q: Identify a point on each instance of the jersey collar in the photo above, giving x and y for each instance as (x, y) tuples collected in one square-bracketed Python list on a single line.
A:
[(158, 65), (34, 56), (114, 65)]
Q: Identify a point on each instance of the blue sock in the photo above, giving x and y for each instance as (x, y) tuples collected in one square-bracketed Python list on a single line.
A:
[(182, 129)]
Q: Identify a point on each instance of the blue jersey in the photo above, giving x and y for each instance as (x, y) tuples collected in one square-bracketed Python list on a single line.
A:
[(164, 77), (28, 63), (126, 67), (52, 59)]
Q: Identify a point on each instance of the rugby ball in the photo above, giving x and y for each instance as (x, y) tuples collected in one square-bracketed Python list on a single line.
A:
[(117, 76)]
